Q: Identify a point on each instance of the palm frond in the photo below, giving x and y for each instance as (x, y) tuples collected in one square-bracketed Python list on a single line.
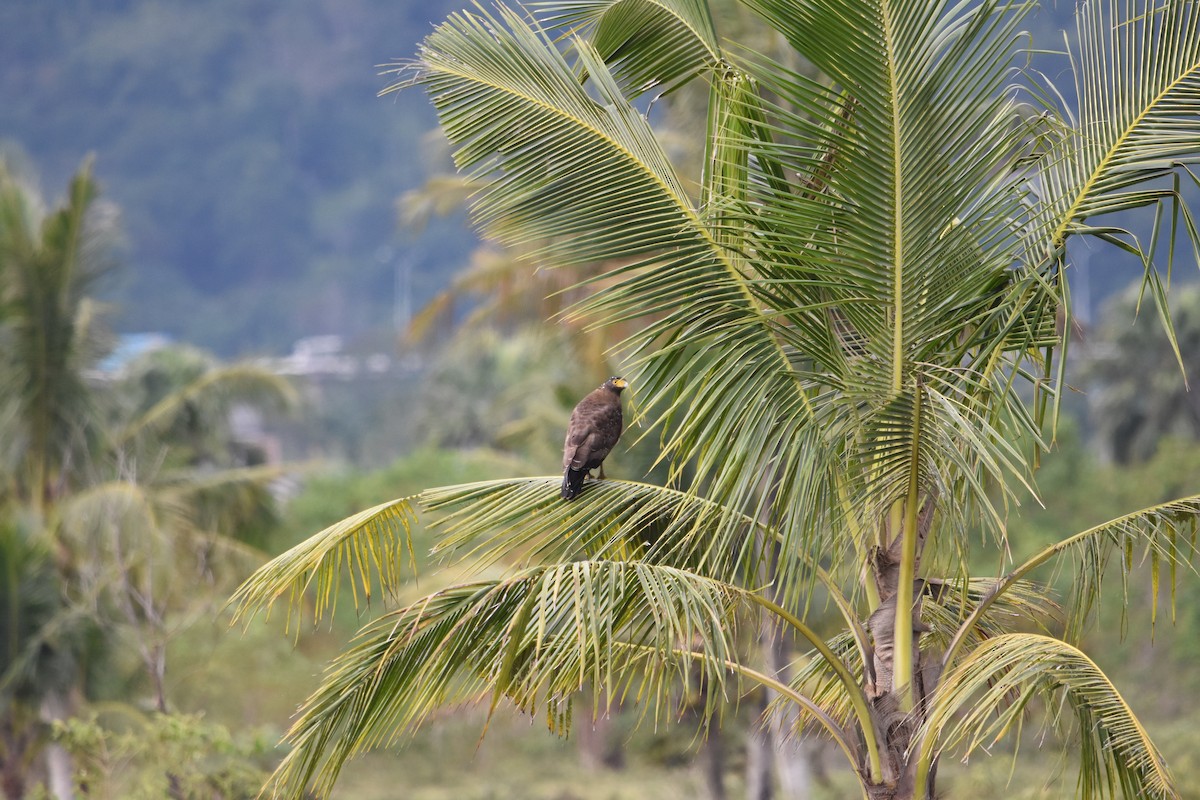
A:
[(122, 510), (928, 112), (814, 678), (648, 44), (874, 312), (947, 603), (1137, 81), (536, 637), (369, 546), (523, 521), (216, 500), (943, 607), (221, 385), (1166, 532), (1137, 71), (578, 178), (983, 698), (582, 179)]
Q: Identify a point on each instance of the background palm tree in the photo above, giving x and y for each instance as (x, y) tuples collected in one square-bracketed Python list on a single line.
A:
[(49, 262), (108, 495), (851, 340)]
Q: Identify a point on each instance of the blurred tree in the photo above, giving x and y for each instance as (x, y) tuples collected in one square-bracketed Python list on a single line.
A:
[(49, 336), (38, 649), (1138, 377), (127, 501)]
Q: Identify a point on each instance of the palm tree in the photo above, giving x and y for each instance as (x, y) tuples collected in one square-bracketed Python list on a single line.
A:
[(852, 339), (37, 653), (49, 338), (114, 516), (48, 263)]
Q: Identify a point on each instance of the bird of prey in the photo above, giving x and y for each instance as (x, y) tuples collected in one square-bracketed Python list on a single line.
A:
[(592, 433)]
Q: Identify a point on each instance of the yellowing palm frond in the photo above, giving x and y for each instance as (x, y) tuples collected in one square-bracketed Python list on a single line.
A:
[(982, 699), (1165, 532), (536, 637), (370, 546)]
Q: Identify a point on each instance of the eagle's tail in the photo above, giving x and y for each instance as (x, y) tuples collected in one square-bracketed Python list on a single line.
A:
[(572, 482)]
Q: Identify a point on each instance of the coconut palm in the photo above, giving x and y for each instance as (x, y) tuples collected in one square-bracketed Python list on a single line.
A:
[(49, 261), (852, 340), (96, 511)]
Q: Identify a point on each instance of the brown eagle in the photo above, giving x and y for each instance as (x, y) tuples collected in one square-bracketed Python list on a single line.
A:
[(592, 433)]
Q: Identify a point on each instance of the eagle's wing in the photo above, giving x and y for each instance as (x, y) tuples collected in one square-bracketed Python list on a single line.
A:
[(591, 434)]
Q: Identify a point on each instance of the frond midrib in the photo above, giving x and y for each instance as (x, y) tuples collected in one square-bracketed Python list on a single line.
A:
[(713, 54), (1058, 238), (897, 203), (717, 251)]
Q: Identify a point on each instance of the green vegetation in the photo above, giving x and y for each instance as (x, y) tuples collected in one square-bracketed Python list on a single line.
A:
[(245, 142), (821, 557), (852, 339), (121, 500)]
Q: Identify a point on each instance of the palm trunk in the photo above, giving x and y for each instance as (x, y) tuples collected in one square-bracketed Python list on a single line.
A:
[(759, 756), (60, 768), (902, 680)]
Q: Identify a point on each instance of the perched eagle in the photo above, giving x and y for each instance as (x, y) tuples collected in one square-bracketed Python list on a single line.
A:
[(592, 433)]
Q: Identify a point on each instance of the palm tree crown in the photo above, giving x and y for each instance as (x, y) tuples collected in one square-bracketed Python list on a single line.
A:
[(851, 341)]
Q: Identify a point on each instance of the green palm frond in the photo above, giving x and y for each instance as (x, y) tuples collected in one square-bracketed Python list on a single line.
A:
[(918, 121), (1137, 74), (943, 608), (648, 44), (946, 604), (536, 637), (983, 699), (874, 288), (581, 179), (1166, 533), (370, 546), (523, 521), (1137, 70)]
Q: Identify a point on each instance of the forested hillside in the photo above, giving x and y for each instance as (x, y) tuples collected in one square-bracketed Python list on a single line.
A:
[(255, 165), (244, 141)]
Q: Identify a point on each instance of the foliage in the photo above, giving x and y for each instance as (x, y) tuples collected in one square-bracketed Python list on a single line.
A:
[(247, 146), (493, 392), (123, 755), (1140, 377), (49, 262), (118, 517), (851, 341)]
